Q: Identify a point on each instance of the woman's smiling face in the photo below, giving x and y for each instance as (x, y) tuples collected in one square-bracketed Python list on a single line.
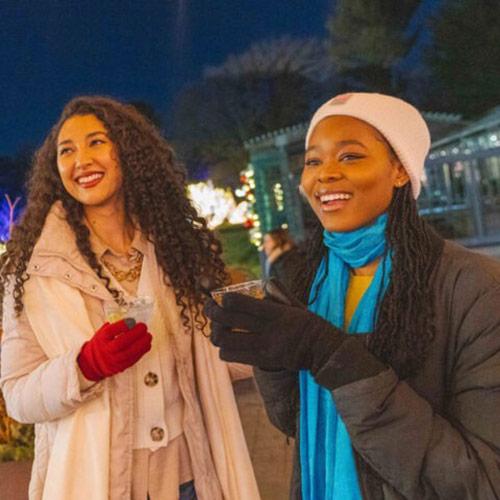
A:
[(349, 173), (87, 162)]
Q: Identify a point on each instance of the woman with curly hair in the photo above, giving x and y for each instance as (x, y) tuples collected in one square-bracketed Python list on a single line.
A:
[(385, 366), (122, 409)]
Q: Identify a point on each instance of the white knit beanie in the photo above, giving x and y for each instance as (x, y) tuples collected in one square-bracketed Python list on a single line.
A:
[(400, 123)]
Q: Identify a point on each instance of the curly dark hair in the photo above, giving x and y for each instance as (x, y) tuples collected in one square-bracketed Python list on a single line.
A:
[(154, 185), (405, 321)]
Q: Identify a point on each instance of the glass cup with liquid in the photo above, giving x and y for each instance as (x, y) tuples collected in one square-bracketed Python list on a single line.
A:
[(254, 288), (139, 308)]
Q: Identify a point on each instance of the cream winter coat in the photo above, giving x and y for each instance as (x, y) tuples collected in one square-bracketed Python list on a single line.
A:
[(83, 446)]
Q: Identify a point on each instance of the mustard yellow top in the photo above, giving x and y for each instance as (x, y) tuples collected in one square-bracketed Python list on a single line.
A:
[(357, 287)]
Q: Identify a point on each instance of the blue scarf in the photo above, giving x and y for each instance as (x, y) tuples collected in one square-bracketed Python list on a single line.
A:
[(327, 462)]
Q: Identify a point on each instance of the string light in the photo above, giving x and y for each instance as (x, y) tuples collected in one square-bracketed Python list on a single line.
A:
[(216, 205), (279, 197), (247, 192)]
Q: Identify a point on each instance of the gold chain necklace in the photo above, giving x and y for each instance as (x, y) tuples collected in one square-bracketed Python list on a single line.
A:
[(130, 275)]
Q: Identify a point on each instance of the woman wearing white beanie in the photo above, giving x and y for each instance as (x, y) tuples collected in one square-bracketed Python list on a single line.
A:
[(386, 369)]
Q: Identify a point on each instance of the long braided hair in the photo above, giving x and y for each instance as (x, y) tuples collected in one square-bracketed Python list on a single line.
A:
[(405, 322), (154, 186)]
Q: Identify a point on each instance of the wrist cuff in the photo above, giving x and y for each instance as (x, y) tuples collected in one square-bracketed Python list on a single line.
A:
[(86, 365), (351, 362)]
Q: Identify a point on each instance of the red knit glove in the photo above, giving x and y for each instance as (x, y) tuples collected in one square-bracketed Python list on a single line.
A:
[(113, 348)]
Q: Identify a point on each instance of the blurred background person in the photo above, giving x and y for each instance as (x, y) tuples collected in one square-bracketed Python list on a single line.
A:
[(283, 256)]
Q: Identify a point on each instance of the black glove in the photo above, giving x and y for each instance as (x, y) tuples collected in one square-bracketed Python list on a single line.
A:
[(270, 335)]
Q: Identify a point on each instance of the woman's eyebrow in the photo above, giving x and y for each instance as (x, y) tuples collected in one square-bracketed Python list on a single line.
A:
[(97, 132), (91, 134), (340, 144), (351, 142)]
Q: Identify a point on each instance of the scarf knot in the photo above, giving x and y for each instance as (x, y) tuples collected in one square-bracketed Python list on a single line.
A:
[(360, 247)]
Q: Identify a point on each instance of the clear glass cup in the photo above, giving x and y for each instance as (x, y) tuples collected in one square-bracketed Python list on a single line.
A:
[(254, 288), (139, 308)]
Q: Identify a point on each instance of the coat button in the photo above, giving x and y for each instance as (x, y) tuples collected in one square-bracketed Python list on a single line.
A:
[(151, 379), (93, 288), (67, 276), (36, 267), (157, 433)]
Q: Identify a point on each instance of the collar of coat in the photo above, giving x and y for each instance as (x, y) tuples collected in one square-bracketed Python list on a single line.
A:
[(56, 254)]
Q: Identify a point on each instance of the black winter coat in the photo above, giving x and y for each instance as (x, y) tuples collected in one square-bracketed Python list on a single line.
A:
[(436, 435)]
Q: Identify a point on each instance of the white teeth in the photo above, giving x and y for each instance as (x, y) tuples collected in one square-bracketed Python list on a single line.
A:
[(335, 196), (89, 178)]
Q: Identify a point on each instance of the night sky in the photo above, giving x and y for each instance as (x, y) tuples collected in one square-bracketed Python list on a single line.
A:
[(142, 50)]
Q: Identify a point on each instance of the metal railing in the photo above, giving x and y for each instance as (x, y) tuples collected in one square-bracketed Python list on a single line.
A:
[(461, 196)]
